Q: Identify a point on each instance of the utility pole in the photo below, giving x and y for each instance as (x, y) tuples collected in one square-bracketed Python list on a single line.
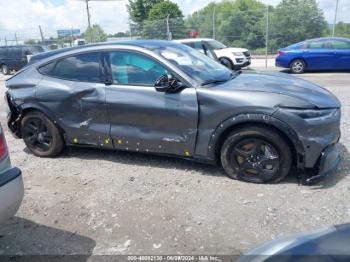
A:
[(41, 34), (335, 18), (267, 35), (214, 29), (89, 16), (89, 20), (168, 33), (16, 39)]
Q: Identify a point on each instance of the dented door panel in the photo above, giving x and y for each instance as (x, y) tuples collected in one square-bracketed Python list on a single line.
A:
[(145, 120), (79, 108)]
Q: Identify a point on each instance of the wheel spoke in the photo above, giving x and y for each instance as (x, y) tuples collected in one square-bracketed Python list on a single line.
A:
[(243, 168), (269, 161), (241, 152), (257, 147)]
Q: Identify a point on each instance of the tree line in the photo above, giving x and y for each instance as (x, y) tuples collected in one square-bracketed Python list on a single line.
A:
[(239, 23)]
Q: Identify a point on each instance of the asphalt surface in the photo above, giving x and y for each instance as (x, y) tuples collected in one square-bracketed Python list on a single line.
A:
[(94, 202)]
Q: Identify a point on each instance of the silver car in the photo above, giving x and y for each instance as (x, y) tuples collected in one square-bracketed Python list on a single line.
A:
[(11, 184)]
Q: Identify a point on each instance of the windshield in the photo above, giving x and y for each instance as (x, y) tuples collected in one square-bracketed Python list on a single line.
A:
[(33, 50), (195, 64), (216, 45)]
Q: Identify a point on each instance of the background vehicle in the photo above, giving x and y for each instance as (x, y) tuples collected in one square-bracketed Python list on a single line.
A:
[(16, 57), (328, 244), (233, 58), (316, 54), (11, 184), (166, 98)]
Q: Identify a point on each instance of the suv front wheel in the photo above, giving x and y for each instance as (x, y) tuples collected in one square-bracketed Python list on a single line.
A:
[(256, 154)]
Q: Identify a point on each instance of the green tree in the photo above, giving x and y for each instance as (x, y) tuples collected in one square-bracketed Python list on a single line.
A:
[(342, 30), (237, 22), (95, 34), (294, 21), (156, 25), (138, 12)]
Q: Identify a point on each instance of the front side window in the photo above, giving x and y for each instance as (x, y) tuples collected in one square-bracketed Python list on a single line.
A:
[(337, 44), (83, 67), (195, 64), (130, 68)]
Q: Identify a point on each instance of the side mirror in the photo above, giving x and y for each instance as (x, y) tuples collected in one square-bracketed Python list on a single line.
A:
[(169, 85), (162, 84)]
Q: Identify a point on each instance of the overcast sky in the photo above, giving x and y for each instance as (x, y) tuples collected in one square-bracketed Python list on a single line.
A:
[(24, 16)]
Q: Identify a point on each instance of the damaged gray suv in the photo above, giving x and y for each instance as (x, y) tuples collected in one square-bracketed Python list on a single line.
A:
[(165, 98)]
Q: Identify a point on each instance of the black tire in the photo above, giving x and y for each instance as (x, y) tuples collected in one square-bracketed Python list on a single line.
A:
[(40, 135), (227, 62), (297, 66), (242, 157), (5, 70)]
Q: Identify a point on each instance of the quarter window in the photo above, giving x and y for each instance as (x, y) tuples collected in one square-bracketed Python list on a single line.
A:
[(130, 68), (84, 68)]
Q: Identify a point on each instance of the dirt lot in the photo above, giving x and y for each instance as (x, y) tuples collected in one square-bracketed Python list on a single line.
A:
[(102, 202)]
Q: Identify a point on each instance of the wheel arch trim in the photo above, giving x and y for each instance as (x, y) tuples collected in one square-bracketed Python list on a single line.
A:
[(236, 121)]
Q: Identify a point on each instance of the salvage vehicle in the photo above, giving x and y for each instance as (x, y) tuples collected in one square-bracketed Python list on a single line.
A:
[(328, 53), (232, 57), (11, 183), (165, 98)]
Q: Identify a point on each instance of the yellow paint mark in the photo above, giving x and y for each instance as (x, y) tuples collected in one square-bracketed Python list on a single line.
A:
[(75, 140), (187, 153), (119, 142)]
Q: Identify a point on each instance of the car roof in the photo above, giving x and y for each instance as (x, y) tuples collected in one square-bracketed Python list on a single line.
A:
[(148, 44), (329, 38), (186, 40)]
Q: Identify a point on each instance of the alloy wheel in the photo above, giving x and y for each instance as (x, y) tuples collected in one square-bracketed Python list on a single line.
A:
[(255, 160), (37, 134), (298, 67)]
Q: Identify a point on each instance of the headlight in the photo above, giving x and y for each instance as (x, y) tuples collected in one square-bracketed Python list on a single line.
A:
[(312, 113), (238, 53)]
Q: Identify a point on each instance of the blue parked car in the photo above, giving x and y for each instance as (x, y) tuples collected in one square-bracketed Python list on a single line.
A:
[(316, 54)]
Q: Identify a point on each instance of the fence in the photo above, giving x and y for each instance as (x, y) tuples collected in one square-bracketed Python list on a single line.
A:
[(258, 30)]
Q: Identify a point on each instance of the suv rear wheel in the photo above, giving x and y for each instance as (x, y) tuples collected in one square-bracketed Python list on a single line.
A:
[(40, 135), (256, 154), (5, 70)]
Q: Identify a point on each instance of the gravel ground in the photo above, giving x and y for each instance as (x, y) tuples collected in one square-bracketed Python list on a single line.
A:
[(101, 202)]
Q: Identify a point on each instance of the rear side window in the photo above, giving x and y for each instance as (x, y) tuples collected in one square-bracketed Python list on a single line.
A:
[(318, 45), (84, 68)]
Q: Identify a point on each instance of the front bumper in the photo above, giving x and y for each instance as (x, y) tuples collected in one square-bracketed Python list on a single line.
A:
[(11, 193), (327, 164)]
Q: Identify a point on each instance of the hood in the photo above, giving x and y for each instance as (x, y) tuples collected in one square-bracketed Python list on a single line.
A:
[(231, 50), (284, 84)]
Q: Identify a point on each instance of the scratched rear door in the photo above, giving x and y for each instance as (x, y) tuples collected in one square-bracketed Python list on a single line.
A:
[(143, 119), (73, 90)]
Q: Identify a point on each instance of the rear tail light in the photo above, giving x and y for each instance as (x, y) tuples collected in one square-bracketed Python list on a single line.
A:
[(280, 53), (3, 146)]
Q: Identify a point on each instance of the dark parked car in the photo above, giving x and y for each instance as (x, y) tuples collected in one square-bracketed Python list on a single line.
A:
[(316, 54), (11, 184), (166, 98), (16, 57)]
